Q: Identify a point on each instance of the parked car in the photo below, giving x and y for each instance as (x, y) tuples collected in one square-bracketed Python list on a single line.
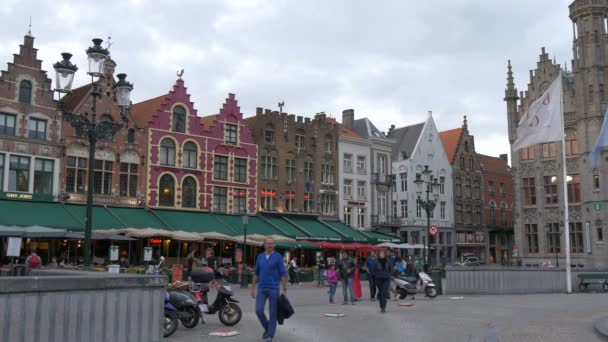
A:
[(468, 260)]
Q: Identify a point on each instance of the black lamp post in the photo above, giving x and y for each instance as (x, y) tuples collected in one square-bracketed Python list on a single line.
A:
[(65, 70), (244, 280), (432, 188)]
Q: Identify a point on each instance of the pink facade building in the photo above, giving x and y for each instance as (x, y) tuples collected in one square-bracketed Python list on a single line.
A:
[(198, 163)]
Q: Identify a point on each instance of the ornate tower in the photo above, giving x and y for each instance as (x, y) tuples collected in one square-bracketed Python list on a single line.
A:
[(511, 100)]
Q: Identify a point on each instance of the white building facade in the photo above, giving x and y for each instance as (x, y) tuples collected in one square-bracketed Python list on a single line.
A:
[(418, 146), (354, 179)]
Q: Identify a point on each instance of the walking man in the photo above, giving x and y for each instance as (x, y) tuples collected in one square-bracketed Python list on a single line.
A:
[(321, 265), (269, 273), (370, 268), (347, 271)]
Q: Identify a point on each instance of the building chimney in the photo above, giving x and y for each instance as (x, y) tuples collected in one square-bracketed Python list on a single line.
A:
[(348, 118), (504, 157)]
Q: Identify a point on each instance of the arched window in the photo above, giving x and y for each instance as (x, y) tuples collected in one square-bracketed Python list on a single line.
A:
[(167, 152), (179, 119), (503, 213), (190, 155), (466, 146), (492, 212), (166, 188), (25, 92), (131, 136), (189, 193)]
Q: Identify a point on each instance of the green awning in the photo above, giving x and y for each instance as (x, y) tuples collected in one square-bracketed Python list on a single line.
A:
[(318, 231), (191, 221), (29, 213), (377, 237), (257, 225), (294, 245), (354, 234), (102, 219), (284, 226), (136, 218)]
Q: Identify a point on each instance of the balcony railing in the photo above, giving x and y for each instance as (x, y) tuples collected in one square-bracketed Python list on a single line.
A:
[(381, 178), (379, 220)]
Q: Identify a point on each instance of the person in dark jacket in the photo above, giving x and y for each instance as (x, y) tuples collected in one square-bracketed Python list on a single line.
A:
[(346, 266), (370, 268), (384, 270)]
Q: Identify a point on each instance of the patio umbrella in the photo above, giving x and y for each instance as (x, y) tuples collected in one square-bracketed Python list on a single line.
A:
[(31, 231), (186, 236), (147, 232), (250, 241), (217, 236)]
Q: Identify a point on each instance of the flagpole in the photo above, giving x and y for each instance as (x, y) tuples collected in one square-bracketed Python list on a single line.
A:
[(565, 180)]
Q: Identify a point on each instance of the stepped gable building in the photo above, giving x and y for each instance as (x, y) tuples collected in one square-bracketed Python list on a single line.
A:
[(498, 203), (298, 163), (381, 195), (471, 234), (30, 129), (537, 170), (119, 175), (198, 163), (415, 147)]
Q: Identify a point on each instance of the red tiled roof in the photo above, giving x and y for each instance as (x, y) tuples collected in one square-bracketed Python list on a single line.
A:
[(143, 111), (349, 133), (75, 97), (207, 121), (493, 163), (450, 140)]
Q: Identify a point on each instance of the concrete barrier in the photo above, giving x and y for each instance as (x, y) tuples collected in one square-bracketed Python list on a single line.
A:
[(54, 306), (510, 280)]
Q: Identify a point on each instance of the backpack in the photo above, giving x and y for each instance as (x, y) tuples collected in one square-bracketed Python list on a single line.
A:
[(34, 261)]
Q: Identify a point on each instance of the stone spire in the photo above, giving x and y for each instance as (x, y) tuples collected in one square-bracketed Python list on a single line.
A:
[(465, 126), (511, 100)]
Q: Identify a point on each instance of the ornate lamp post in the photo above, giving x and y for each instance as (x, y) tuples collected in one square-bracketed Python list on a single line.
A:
[(428, 204), (65, 70)]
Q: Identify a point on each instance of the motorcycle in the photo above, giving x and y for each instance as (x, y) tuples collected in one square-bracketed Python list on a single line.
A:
[(229, 312), (409, 286), (170, 319), (187, 308)]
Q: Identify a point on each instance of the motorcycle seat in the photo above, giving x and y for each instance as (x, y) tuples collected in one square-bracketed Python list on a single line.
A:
[(408, 279)]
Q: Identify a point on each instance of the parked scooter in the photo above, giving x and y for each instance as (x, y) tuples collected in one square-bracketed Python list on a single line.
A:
[(187, 308), (170, 321), (224, 305), (409, 286)]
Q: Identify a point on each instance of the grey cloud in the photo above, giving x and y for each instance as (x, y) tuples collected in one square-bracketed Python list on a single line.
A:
[(389, 60)]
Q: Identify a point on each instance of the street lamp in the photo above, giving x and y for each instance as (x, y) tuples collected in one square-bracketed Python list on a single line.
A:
[(244, 280), (432, 188), (65, 70)]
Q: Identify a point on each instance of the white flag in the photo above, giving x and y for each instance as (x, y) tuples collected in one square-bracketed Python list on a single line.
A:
[(543, 120)]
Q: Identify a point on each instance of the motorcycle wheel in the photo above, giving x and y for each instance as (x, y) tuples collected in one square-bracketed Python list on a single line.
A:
[(430, 292), (189, 317), (169, 323), (402, 295), (230, 314)]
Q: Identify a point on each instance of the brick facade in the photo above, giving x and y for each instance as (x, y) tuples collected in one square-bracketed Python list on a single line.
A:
[(121, 182), (30, 129), (183, 150), (309, 184)]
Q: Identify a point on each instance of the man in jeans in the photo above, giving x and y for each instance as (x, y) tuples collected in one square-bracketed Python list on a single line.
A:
[(321, 265), (370, 268), (269, 272), (346, 266)]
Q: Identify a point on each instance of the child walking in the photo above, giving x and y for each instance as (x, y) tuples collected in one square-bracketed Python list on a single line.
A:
[(332, 279)]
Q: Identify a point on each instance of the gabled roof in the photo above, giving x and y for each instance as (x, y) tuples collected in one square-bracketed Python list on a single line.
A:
[(207, 121), (365, 128), (346, 132), (450, 140), (75, 97), (143, 111), (406, 138), (493, 163)]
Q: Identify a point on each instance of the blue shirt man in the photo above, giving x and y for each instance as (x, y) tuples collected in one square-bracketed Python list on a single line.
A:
[(269, 274), (370, 268)]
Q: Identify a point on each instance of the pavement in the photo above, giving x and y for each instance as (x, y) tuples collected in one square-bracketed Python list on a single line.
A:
[(538, 317)]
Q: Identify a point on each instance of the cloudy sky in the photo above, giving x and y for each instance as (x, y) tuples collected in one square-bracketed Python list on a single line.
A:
[(389, 60)]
